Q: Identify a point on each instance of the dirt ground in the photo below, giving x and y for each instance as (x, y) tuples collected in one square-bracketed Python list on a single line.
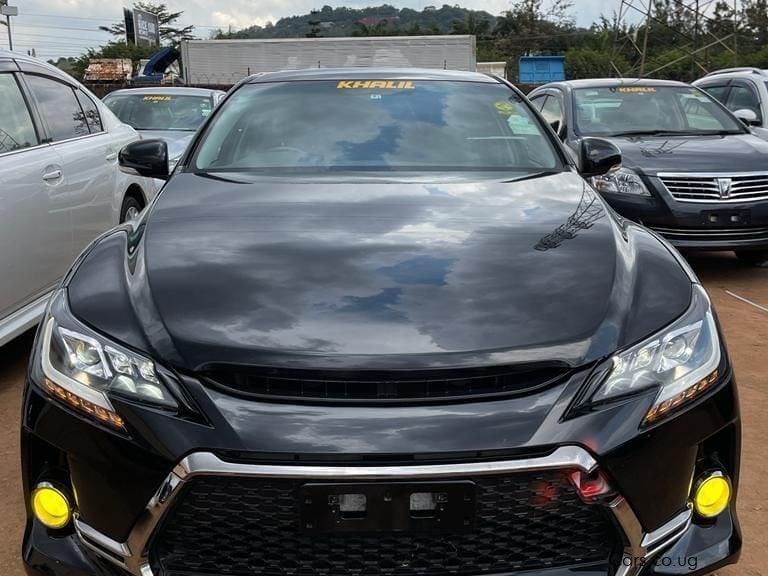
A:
[(746, 329)]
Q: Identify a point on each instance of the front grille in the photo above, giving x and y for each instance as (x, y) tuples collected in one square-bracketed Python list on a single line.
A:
[(716, 188), (714, 235), (248, 527), (385, 386)]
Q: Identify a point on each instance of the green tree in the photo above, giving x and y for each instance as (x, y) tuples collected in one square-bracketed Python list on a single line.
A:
[(754, 14), (591, 63), (169, 33), (474, 24)]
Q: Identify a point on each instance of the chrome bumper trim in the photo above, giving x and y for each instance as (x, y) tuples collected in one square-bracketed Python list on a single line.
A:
[(209, 464), (132, 555)]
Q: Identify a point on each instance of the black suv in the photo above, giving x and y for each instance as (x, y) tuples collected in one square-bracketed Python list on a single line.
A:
[(378, 324), (692, 171)]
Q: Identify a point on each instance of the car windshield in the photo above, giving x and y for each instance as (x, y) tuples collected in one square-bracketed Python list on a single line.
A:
[(638, 109), (160, 111), (375, 125)]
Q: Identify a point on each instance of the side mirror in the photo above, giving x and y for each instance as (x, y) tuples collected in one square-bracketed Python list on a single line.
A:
[(145, 158), (747, 116), (598, 157)]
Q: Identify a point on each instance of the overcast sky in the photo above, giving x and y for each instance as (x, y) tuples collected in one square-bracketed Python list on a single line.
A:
[(68, 27)]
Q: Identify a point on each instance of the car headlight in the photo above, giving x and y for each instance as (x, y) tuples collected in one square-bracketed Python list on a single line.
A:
[(622, 181), (83, 369), (682, 361)]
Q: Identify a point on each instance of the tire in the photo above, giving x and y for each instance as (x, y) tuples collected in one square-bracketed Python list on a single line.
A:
[(130, 209), (755, 258)]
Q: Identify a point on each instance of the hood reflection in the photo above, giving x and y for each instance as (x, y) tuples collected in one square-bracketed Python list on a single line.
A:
[(589, 211), (382, 274)]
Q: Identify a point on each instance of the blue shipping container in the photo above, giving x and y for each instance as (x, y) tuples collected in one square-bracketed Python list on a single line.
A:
[(541, 69)]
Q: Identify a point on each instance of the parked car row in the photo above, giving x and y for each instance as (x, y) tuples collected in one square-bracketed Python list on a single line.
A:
[(691, 171), (382, 321)]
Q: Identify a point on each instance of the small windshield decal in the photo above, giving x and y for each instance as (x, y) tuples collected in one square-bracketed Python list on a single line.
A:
[(156, 98), (522, 125), (504, 108), (377, 84)]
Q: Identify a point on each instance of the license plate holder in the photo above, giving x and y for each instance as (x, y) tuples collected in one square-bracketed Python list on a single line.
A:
[(388, 507), (724, 218)]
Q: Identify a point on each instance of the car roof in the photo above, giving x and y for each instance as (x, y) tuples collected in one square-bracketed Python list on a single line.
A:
[(743, 72), (616, 82), (372, 73), (170, 91), (35, 64)]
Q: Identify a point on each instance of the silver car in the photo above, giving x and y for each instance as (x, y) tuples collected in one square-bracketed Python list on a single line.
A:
[(744, 91), (60, 186), (172, 114)]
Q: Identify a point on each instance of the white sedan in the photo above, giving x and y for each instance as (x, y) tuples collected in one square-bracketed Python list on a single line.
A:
[(60, 186)]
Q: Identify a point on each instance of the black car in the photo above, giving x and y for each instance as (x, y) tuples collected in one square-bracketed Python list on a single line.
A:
[(377, 323), (692, 171)]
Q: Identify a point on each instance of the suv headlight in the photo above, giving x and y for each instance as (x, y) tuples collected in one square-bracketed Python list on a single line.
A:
[(682, 361), (623, 181), (83, 369)]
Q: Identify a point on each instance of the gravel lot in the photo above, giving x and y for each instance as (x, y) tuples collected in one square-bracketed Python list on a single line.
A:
[(746, 329)]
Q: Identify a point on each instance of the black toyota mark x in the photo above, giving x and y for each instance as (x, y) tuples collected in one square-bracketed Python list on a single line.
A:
[(377, 323)]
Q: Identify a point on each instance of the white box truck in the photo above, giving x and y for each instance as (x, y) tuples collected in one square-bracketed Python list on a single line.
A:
[(228, 61)]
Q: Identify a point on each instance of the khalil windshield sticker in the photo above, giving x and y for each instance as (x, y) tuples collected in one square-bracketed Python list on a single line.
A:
[(376, 84)]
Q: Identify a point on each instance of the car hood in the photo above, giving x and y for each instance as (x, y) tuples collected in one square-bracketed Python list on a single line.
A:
[(177, 140), (378, 273), (733, 153)]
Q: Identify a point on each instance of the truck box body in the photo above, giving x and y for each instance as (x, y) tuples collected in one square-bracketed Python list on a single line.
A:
[(228, 61)]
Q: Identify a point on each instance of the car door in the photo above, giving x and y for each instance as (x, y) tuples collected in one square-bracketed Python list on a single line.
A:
[(718, 89), (88, 155), (744, 96), (35, 231), (553, 113), (538, 100)]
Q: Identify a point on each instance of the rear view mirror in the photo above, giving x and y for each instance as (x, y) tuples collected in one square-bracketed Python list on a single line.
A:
[(747, 116), (147, 158), (598, 157)]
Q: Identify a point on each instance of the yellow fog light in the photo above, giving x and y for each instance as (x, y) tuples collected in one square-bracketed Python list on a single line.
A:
[(51, 507), (713, 494)]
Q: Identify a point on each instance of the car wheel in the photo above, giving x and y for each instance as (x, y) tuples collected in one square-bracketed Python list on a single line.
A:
[(756, 258), (130, 210)]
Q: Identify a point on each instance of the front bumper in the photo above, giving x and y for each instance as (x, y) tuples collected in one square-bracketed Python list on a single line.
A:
[(690, 226), (126, 486)]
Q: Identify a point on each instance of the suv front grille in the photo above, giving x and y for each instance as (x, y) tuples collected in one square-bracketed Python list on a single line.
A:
[(250, 527), (716, 187), (385, 386)]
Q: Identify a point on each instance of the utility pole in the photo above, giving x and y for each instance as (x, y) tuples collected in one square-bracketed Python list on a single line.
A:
[(8, 11), (694, 53)]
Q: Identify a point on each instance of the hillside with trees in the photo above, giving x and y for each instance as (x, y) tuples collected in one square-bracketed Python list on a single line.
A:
[(529, 27)]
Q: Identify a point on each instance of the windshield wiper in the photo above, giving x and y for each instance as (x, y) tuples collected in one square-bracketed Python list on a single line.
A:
[(653, 133), (532, 176), (717, 132)]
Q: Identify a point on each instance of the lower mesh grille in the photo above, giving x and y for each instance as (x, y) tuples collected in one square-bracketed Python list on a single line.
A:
[(247, 527)]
